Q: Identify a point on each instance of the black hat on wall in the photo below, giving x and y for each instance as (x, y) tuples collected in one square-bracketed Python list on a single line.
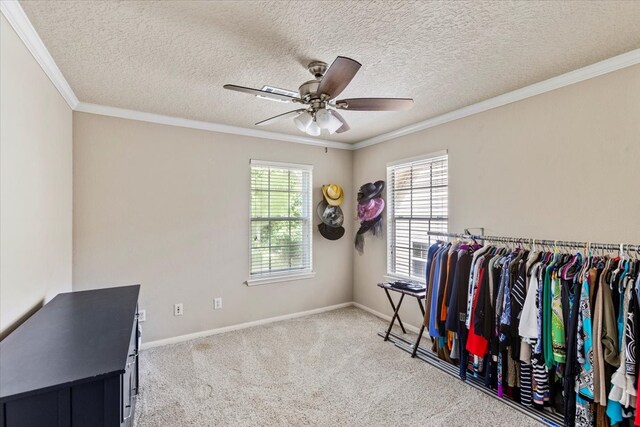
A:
[(330, 233), (369, 191)]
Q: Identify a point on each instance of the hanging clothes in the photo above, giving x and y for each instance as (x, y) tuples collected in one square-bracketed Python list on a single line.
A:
[(572, 362), (438, 282), (557, 320), (432, 267), (442, 303), (546, 329)]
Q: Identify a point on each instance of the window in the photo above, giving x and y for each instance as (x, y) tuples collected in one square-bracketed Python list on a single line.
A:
[(417, 202), (280, 220)]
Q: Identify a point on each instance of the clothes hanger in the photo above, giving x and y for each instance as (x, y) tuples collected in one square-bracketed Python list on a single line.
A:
[(587, 264), (627, 267), (617, 270), (564, 271)]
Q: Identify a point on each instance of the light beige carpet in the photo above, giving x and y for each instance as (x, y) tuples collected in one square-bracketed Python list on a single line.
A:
[(329, 369)]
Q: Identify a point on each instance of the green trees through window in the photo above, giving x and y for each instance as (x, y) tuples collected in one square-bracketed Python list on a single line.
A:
[(280, 219)]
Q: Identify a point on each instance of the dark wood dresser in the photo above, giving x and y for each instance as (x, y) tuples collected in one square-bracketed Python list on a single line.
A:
[(73, 363)]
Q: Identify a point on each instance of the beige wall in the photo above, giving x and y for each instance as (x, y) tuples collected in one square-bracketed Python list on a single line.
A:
[(562, 165), (35, 184), (168, 207)]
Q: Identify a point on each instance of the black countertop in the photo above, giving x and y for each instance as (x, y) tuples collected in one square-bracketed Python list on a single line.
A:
[(76, 336)]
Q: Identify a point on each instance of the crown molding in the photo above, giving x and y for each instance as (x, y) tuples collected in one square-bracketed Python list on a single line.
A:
[(615, 63), (17, 18), (123, 113), (14, 13)]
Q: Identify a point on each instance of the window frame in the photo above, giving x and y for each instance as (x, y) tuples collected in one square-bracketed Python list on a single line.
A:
[(391, 215), (291, 274)]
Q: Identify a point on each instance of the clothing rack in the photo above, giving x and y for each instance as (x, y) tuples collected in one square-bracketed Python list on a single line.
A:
[(547, 416), (622, 247)]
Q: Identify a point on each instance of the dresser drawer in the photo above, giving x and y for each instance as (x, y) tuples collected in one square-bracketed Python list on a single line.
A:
[(129, 380)]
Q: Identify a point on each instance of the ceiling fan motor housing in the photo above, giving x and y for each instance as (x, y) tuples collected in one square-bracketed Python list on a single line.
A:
[(308, 89), (317, 68)]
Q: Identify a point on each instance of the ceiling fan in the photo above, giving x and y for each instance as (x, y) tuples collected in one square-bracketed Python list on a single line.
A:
[(318, 97)]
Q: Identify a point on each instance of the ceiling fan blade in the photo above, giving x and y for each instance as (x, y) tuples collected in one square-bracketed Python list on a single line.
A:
[(345, 126), (338, 76), (375, 104), (258, 92), (281, 116)]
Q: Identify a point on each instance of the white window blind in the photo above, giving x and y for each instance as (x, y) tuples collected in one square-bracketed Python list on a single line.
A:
[(280, 219), (417, 202)]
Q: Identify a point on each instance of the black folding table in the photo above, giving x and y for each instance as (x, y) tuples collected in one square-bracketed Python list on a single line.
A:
[(418, 295)]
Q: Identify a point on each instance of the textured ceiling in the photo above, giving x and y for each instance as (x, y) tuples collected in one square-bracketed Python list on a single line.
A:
[(172, 57)]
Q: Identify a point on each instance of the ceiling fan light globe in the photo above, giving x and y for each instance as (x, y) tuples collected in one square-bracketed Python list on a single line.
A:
[(333, 123), (302, 121), (323, 118), (313, 129)]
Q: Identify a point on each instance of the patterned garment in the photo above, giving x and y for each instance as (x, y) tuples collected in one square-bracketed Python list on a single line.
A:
[(473, 285), (630, 353), (540, 373), (630, 334), (637, 414), (547, 325), (518, 292), (505, 317), (584, 416), (584, 381), (540, 380), (557, 321), (500, 391), (500, 297), (537, 270), (526, 397), (476, 262)]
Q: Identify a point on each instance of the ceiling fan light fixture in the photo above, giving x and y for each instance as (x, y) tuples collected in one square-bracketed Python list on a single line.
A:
[(323, 117), (313, 129), (303, 121), (328, 121), (334, 123)]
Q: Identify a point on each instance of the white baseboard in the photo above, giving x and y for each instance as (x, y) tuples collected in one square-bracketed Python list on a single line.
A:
[(407, 326), (187, 337)]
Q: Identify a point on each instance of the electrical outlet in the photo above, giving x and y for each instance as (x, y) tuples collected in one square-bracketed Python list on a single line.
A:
[(142, 315), (217, 303), (178, 309)]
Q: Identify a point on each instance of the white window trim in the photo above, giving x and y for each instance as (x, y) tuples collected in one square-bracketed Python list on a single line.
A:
[(265, 279), (390, 276), (418, 158), (280, 165), (283, 276)]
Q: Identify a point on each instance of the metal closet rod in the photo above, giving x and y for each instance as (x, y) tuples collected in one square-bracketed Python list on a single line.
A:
[(565, 243)]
